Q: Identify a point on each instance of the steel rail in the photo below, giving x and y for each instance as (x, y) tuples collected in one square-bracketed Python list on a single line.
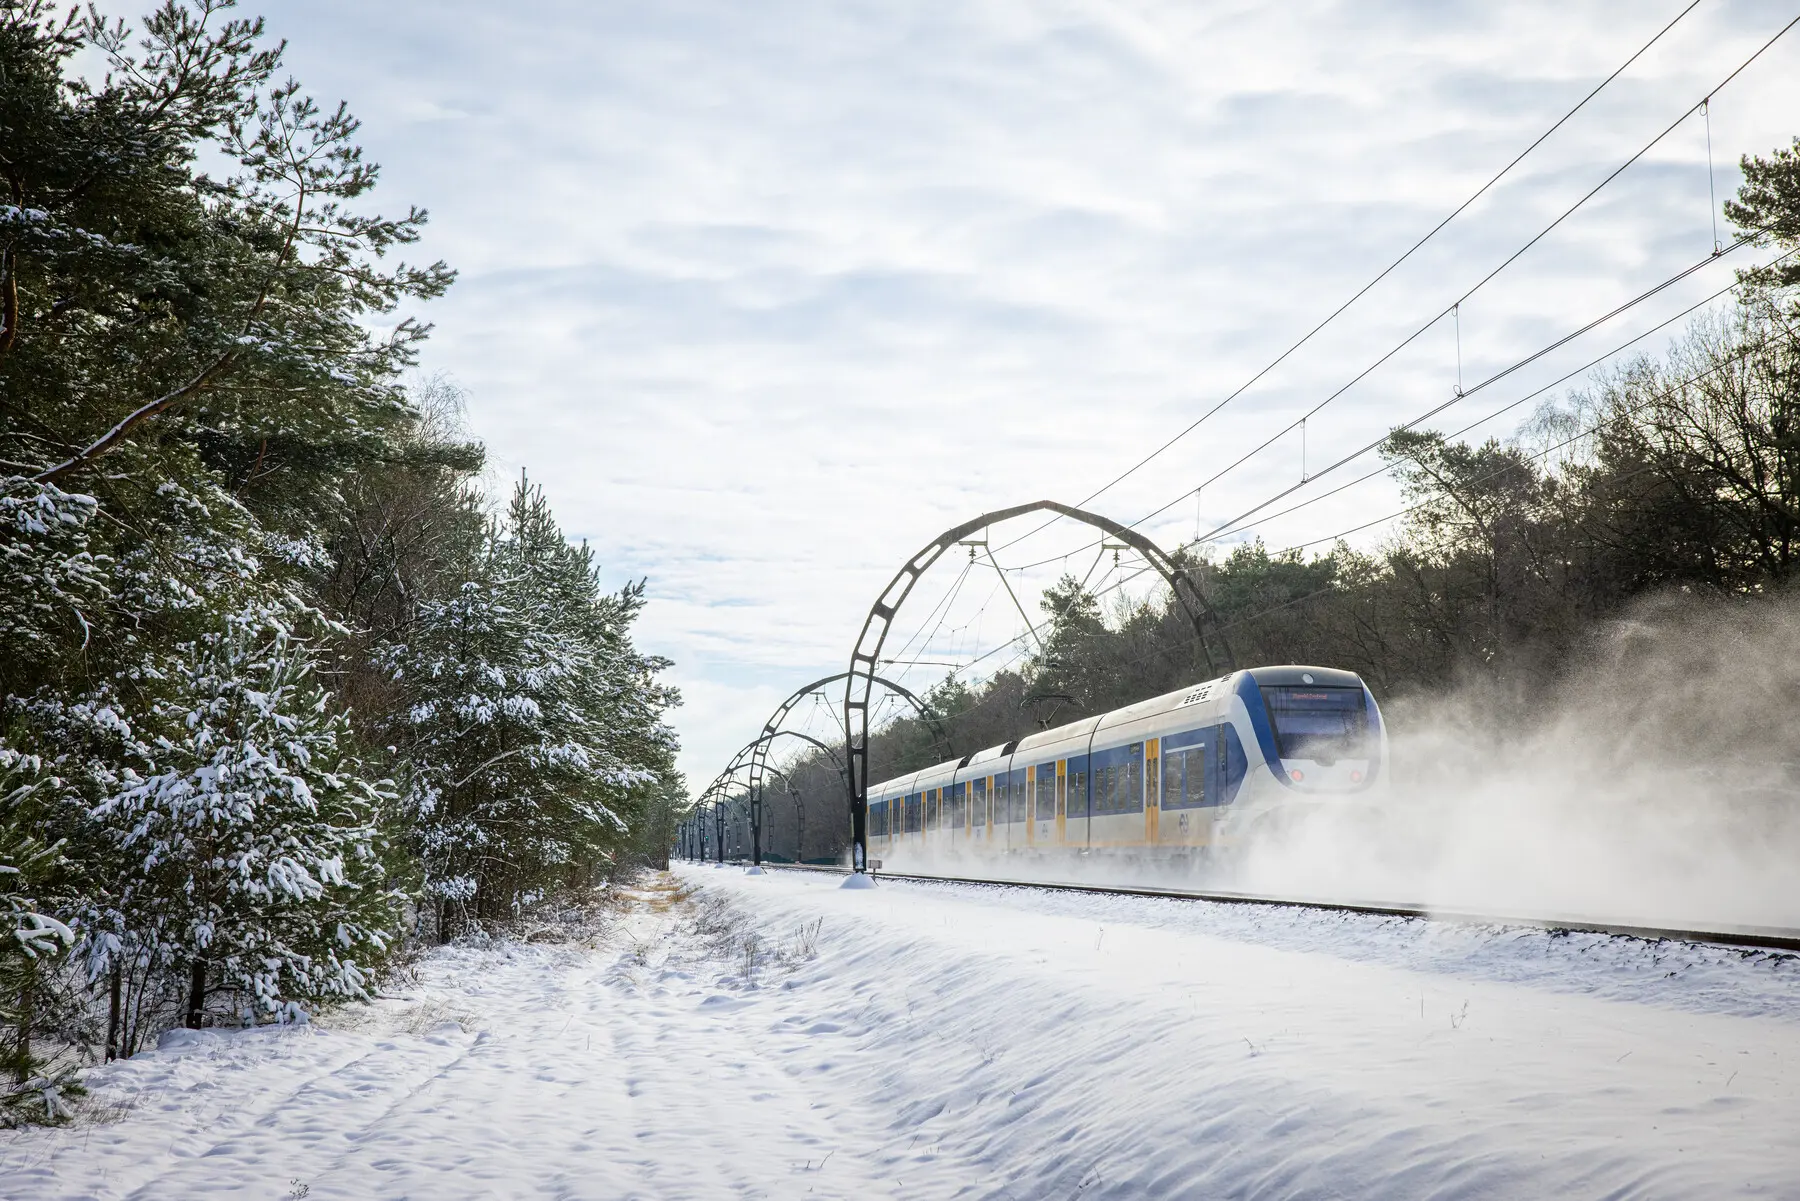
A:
[(1767, 938)]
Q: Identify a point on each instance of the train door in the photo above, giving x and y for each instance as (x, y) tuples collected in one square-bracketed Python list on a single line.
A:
[(1030, 791), (1015, 809), (1076, 801), (1043, 804), (1152, 777), (1062, 802)]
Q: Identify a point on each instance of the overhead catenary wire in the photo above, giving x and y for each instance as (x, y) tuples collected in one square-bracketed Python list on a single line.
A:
[(1741, 354), (1517, 365), (1712, 196), (941, 606), (1381, 275), (1462, 299), (1231, 528), (1032, 629), (1508, 261), (1237, 523)]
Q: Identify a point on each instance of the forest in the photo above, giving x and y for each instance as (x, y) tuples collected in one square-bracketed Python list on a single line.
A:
[(281, 690), (1672, 479)]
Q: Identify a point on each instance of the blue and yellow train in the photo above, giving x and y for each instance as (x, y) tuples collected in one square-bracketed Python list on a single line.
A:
[(1166, 779)]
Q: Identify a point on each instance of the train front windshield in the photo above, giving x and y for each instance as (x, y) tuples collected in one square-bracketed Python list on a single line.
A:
[(1321, 724)]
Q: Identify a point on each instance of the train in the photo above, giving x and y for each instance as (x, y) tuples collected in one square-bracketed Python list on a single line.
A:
[(1174, 780)]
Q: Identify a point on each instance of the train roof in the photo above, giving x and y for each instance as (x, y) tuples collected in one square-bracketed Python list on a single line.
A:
[(1295, 673)]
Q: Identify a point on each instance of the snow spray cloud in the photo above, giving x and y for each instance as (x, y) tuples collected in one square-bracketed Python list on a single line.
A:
[(1656, 782)]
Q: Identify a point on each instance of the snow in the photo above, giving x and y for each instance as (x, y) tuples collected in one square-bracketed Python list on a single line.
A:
[(777, 1036)]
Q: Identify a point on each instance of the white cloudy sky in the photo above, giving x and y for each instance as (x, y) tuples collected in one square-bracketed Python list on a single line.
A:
[(766, 295)]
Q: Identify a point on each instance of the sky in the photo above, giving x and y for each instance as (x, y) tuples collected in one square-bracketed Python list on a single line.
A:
[(767, 296)]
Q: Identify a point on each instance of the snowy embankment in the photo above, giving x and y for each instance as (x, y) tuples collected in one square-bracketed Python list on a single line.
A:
[(775, 1036)]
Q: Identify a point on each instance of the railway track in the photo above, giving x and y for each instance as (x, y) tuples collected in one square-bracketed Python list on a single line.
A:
[(1766, 938)]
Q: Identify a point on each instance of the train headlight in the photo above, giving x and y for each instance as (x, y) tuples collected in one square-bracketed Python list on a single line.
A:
[(1356, 777), (1297, 774)]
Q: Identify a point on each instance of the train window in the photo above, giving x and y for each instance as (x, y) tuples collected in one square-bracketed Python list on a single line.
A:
[(978, 803), (953, 806), (1077, 804), (1318, 723), (1046, 792), (931, 809), (1119, 779), (1184, 778), (915, 812)]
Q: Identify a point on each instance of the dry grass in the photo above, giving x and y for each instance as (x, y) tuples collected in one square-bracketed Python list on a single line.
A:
[(660, 892), (712, 926)]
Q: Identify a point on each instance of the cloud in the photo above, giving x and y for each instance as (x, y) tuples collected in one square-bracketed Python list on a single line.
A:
[(767, 295)]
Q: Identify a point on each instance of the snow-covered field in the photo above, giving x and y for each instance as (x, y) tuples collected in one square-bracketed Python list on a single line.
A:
[(778, 1037)]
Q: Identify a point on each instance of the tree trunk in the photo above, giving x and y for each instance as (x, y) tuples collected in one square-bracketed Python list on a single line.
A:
[(22, 1060), (196, 1003), (113, 1015)]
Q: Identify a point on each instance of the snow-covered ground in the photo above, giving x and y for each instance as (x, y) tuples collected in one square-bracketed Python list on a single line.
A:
[(778, 1037)]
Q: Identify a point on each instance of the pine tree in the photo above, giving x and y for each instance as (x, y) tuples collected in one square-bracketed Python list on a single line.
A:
[(206, 450), (32, 942), (531, 720), (187, 376), (253, 851)]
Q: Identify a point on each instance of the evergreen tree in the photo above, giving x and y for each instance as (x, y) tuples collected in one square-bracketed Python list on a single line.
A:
[(187, 375), (531, 721), (32, 942), (252, 851), (206, 448)]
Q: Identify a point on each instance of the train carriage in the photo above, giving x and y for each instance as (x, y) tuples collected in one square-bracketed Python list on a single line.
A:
[(1172, 778)]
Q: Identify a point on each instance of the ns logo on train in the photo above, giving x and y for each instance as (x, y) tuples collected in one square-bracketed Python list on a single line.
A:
[(1171, 778)]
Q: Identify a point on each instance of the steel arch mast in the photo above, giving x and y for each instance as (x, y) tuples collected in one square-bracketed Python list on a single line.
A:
[(860, 679), (722, 782), (759, 757), (758, 749), (799, 814)]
